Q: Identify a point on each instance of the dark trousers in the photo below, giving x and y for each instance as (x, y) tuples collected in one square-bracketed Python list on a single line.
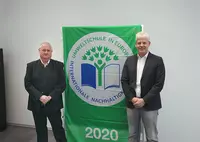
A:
[(40, 119)]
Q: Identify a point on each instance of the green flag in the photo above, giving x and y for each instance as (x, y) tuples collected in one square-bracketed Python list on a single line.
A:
[(94, 101)]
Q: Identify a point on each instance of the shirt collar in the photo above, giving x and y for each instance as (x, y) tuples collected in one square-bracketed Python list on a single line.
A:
[(146, 55), (44, 63)]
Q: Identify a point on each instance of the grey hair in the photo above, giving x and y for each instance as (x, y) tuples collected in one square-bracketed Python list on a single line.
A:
[(46, 43), (143, 35)]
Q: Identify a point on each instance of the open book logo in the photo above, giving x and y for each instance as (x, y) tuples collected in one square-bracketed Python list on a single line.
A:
[(99, 58), (95, 64)]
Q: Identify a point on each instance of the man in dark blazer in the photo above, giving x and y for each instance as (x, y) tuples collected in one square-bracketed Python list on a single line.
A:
[(45, 82), (142, 80)]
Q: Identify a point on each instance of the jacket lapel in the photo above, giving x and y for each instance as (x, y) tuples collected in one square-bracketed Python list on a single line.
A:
[(146, 66), (135, 68)]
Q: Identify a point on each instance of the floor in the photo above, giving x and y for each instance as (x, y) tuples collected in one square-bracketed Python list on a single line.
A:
[(21, 134)]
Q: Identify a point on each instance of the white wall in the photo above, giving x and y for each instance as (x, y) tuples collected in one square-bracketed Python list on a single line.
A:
[(173, 26), (2, 23)]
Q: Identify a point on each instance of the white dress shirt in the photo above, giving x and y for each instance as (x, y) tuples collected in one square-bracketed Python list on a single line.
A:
[(140, 66), (44, 63)]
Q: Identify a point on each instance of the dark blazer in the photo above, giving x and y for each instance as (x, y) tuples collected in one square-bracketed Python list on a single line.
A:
[(152, 81), (49, 80)]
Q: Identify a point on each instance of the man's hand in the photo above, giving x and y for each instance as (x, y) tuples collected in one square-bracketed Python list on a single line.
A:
[(139, 103), (48, 98), (44, 99), (134, 100)]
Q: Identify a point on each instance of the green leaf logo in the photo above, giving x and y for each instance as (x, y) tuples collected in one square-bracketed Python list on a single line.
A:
[(96, 55), (88, 53), (84, 57), (100, 56), (103, 55), (99, 48), (91, 58), (115, 58), (93, 49), (106, 49), (108, 58), (111, 52)]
